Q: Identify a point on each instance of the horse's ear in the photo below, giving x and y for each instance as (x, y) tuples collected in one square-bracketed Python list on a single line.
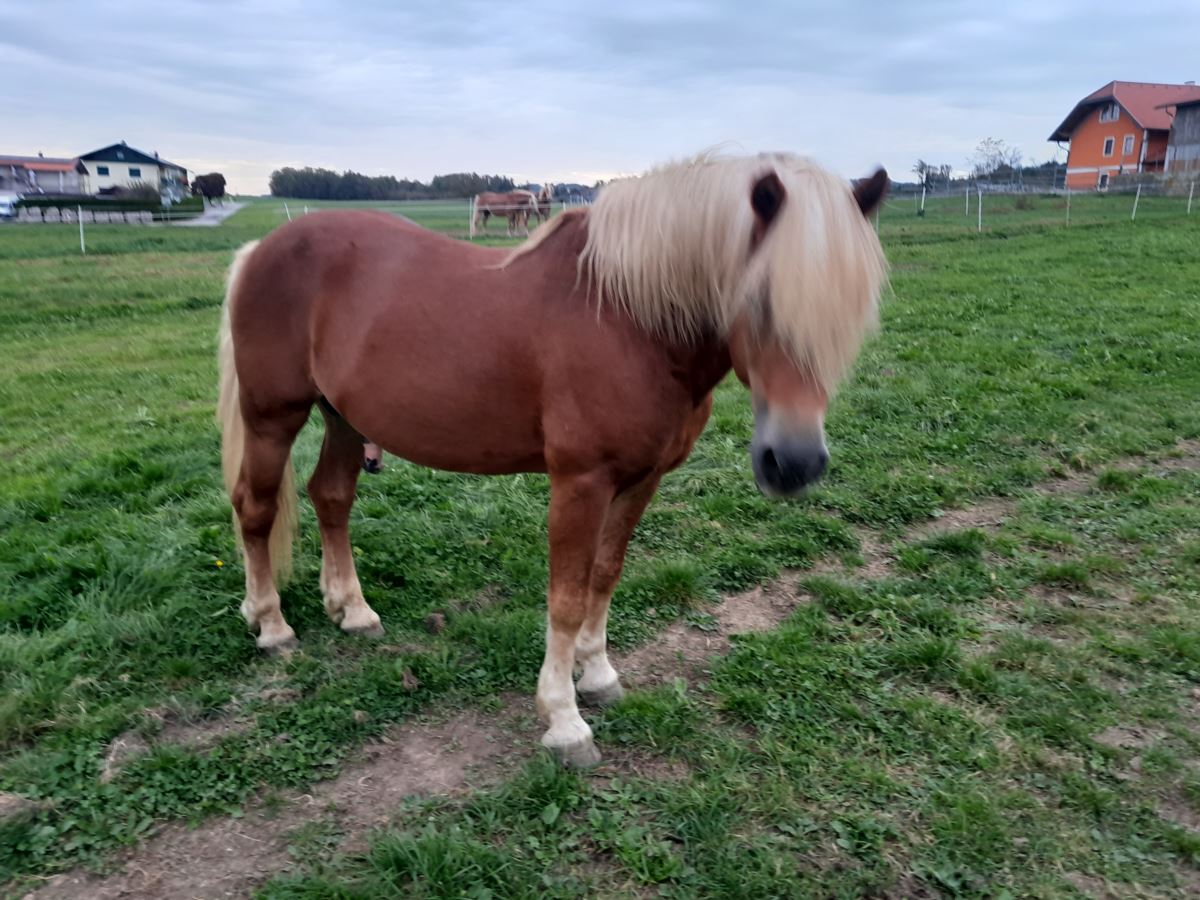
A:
[(868, 192), (766, 199)]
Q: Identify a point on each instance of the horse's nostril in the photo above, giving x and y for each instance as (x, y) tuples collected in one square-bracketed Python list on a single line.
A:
[(770, 467), (822, 463)]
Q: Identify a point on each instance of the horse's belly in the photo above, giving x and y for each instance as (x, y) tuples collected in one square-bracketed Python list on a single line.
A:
[(459, 441)]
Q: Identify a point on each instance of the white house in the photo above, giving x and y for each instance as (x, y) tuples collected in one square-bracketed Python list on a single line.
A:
[(120, 165)]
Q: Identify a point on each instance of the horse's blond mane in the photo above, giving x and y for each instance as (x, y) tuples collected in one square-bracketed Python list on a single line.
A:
[(673, 249)]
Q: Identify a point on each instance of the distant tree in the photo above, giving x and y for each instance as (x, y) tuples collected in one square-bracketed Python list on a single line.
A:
[(995, 159), (930, 175), (210, 186)]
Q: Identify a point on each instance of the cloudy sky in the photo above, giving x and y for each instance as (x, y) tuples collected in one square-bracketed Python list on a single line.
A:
[(564, 91)]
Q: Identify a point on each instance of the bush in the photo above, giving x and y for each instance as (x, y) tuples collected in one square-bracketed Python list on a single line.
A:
[(138, 191), (102, 204)]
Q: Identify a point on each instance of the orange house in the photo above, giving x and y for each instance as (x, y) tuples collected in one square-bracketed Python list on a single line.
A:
[(1120, 129)]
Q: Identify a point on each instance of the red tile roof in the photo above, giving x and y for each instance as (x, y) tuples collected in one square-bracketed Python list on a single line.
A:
[(43, 164), (1149, 104)]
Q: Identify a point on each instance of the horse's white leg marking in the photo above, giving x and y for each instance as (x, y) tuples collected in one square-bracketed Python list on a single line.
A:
[(344, 601), (568, 736), (600, 684), (261, 610), (578, 507)]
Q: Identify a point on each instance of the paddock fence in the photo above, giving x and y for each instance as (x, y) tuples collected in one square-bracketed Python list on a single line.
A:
[(1015, 206)]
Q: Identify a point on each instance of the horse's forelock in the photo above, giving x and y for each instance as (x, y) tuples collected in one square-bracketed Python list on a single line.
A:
[(679, 267)]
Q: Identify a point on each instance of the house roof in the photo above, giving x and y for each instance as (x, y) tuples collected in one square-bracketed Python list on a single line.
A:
[(1146, 103), (44, 164), (1188, 104), (122, 152)]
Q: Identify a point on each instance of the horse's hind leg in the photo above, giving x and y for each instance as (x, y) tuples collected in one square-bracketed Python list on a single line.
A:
[(599, 683), (256, 500), (331, 489)]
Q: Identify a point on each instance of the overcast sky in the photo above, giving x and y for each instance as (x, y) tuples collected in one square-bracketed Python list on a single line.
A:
[(561, 91)]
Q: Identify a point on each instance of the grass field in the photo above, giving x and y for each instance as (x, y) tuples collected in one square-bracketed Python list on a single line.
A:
[(986, 681)]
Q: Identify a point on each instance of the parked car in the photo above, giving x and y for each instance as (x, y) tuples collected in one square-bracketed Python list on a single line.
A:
[(8, 205)]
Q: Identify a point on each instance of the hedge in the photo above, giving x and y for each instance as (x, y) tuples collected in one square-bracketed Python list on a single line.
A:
[(97, 204)]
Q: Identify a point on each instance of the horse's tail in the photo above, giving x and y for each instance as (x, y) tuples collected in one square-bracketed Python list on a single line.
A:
[(233, 435)]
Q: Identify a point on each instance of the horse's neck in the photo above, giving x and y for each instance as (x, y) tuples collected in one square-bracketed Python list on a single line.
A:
[(701, 364)]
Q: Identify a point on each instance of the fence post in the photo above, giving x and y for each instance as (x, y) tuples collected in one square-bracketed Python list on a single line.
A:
[(921, 211), (306, 209), (1136, 198), (82, 245), (471, 221), (1068, 205), (286, 210), (1191, 191), (967, 198), (979, 207)]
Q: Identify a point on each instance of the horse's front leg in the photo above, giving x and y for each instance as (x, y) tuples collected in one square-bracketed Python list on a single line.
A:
[(599, 683), (578, 507)]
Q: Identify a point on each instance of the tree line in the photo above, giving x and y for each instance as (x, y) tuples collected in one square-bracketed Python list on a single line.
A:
[(325, 184), (993, 162)]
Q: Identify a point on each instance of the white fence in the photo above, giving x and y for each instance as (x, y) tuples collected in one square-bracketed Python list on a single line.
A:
[(982, 206)]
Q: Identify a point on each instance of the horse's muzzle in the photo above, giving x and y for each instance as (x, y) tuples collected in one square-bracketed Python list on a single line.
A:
[(784, 468)]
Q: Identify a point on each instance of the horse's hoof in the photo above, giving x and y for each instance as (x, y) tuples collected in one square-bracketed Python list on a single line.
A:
[(578, 756), (278, 647), (371, 629), (603, 696)]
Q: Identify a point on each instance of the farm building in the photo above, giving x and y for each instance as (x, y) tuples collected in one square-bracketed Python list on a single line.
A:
[(120, 165), (40, 174), (1119, 129), (1183, 146)]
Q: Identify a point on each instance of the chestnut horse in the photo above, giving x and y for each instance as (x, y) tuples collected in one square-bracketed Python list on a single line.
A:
[(545, 199), (516, 206), (593, 359)]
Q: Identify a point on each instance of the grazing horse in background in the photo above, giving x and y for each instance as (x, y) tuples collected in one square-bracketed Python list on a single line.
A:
[(516, 206), (594, 361), (545, 199)]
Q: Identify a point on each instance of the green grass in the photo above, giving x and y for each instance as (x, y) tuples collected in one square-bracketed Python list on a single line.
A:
[(934, 729)]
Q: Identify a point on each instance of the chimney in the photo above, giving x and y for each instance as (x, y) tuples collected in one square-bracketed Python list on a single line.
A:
[(41, 155), (1192, 82)]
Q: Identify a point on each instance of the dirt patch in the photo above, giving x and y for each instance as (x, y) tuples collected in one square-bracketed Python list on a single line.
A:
[(228, 857), (1090, 886), (1178, 812), (171, 730), (121, 750), (1129, 737), (683, 650), (990, 513), (620, 763), (14, 806)]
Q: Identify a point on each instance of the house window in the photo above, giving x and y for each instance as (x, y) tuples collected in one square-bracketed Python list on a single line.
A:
[(1102, 184), (101, 170), (1108, 146), (1127, 150), (135, 172), (1110, 113)]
